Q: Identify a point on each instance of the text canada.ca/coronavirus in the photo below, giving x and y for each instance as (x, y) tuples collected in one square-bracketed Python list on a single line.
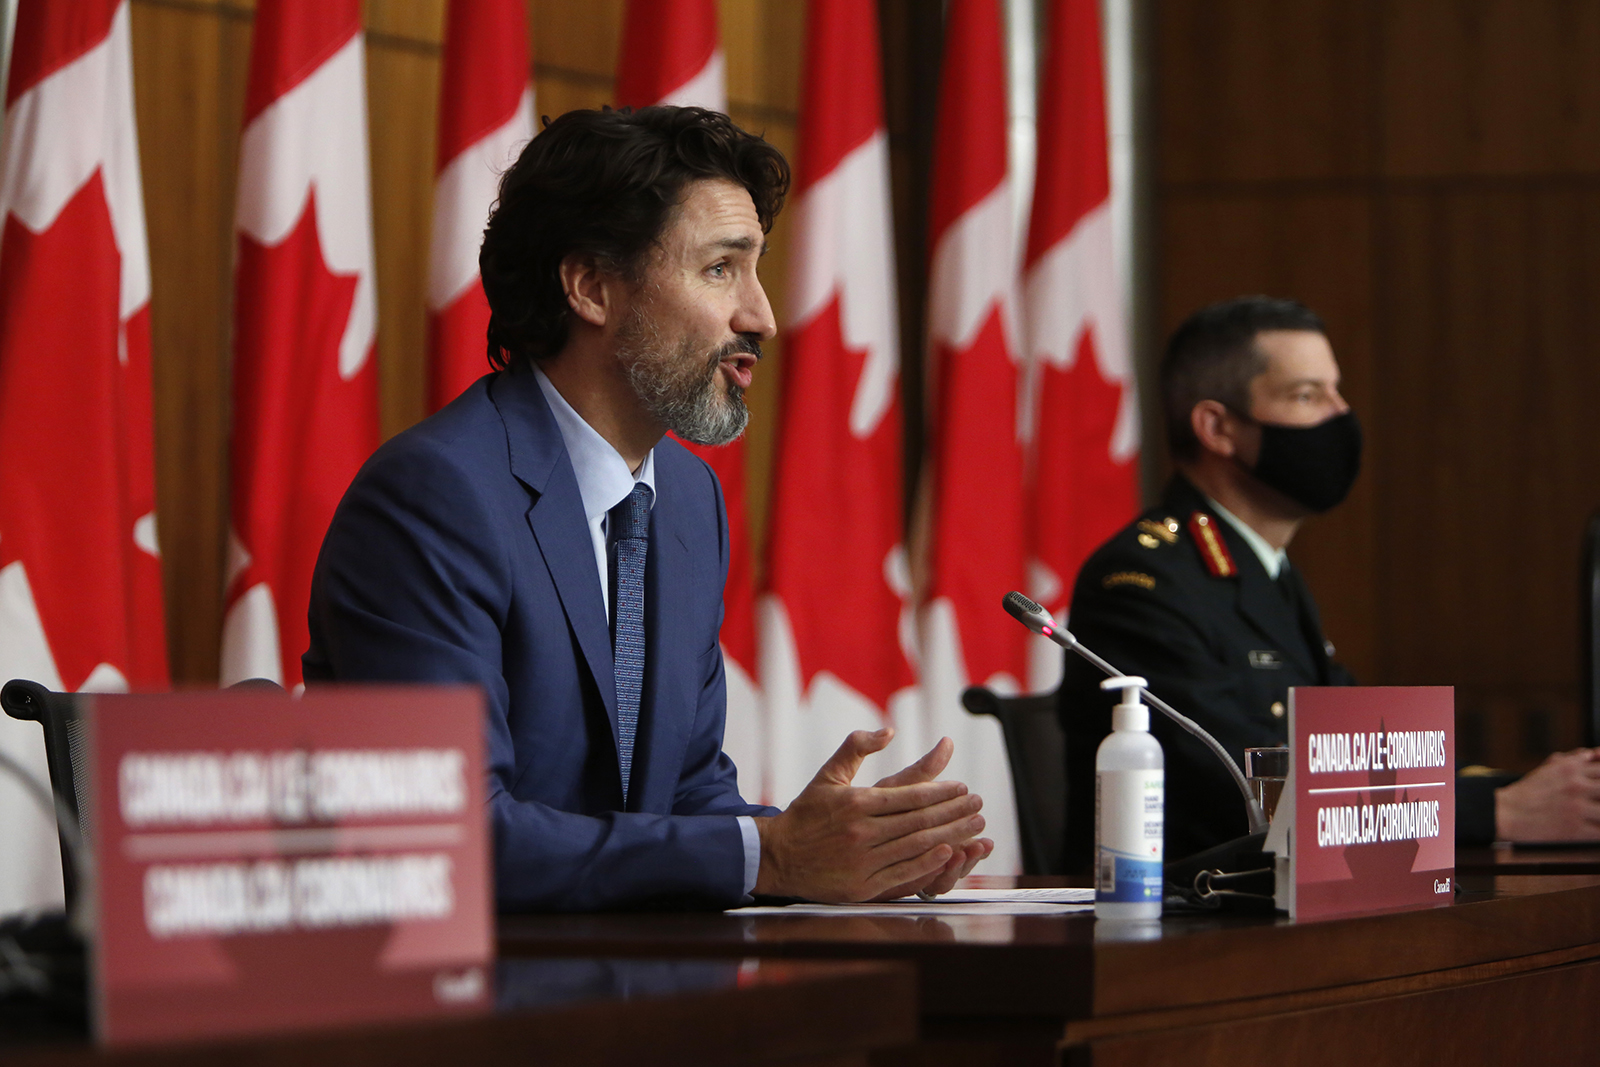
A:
[(1365, 824)]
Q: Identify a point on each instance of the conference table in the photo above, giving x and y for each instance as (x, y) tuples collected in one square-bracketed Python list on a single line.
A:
[(1508, 859), (1507, 972), (555, 1012)]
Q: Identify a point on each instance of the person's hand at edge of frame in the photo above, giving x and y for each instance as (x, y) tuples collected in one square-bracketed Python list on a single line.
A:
[(1559, 800)]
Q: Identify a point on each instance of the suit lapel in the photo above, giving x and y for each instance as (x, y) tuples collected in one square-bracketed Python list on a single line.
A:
[(539, 460)]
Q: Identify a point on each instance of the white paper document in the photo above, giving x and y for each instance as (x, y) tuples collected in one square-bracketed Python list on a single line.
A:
[(956, 902)]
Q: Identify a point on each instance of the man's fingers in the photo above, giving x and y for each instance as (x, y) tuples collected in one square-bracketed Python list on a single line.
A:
[(973, 853), (946, 879), (879, 800), (889, 827), (1590, 813), (841, 767), (957, 867), (955, 834), (960, 866), (925, 769), (913, 871), (928, 883)]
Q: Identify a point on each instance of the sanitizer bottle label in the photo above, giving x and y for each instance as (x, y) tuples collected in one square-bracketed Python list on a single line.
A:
[(1128, 809)]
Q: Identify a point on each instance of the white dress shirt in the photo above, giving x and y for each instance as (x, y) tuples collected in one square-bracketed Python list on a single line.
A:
[(1271, 558), (604, 481)]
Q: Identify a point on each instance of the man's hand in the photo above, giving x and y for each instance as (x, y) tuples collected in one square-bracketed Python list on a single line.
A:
[(1559, 800), (965, 858), (838, 843)]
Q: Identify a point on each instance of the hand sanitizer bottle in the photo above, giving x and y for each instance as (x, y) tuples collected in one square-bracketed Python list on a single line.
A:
[(1129, 811)]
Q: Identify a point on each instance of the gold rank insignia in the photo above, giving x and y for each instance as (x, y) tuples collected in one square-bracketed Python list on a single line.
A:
[(1143, 581), (1213, 551), (1166, 530)]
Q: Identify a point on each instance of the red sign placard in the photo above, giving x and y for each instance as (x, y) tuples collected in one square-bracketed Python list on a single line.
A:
[(1374, 800), (265, 862)]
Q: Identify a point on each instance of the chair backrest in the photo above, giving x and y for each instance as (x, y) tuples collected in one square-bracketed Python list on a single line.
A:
[(1590, 614), (65, 754), (1036, 749)]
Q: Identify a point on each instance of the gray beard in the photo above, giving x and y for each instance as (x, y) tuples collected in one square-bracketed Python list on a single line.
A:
[(679, 390)]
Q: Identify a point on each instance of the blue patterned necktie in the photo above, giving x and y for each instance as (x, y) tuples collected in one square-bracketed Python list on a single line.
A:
[(630, 536)]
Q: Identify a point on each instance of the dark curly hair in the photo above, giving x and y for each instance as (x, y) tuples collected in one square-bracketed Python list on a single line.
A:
[(1213, 356), (603, 184)]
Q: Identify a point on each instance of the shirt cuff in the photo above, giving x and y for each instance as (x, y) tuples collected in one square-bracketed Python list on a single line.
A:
[(752, 852)]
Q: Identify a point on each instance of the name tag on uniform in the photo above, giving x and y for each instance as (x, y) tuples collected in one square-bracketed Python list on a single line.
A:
[(1266, 659)]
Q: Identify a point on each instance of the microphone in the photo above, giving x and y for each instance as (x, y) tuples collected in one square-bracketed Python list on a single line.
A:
[(1033, 615)]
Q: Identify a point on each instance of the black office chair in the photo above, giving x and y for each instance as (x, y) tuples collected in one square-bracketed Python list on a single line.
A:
[(1590, 614), (1036, 750), (57, 714)]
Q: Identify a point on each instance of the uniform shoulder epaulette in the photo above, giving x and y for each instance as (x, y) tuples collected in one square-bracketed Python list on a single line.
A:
[(1213, 551), (1153, 532)]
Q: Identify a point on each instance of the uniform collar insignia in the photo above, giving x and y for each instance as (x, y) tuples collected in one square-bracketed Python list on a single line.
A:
[(1213, 550)]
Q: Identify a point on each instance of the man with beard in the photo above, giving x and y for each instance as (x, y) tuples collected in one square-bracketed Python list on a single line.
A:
[(541, 538)]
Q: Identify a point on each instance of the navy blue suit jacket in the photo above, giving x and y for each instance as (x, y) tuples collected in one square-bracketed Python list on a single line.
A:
[(461, 553)]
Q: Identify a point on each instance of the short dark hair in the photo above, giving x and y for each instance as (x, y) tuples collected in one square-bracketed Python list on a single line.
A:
[(603, 184), (1213, 356)]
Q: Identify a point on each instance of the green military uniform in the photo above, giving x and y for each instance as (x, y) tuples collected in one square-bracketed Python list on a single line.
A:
[(1180, 598)]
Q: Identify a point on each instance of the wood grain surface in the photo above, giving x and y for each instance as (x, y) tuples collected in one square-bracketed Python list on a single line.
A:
[(1029, 969), (754, 1013)]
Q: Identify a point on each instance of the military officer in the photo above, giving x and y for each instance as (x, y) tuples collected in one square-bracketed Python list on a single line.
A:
[(1199, 597)]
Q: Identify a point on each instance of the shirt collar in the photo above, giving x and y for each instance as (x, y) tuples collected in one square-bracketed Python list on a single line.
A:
[(604, 480), (1271, 558)]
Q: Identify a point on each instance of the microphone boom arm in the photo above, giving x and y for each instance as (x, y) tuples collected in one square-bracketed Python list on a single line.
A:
[(1258, 819), (1040, 622)]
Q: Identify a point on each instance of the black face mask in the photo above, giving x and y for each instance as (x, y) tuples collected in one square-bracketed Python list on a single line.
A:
[(1312, 465)]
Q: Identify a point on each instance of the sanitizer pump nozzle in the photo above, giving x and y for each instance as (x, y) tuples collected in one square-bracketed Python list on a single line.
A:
[(1130, 713)]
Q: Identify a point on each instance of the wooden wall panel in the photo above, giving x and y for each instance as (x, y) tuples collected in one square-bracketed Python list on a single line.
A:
[(578, 37), (403, 119), (1458, 298), (189, 71), (1490, 87), (1257, 89), (1487, 295), (912, 44), (762, 43)]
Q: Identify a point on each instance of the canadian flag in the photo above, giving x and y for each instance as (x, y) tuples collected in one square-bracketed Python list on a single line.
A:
[(1086, 430), (671, 55), (485, 118), (974, 481), (833, 622), (305, 396), (80, 577)]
